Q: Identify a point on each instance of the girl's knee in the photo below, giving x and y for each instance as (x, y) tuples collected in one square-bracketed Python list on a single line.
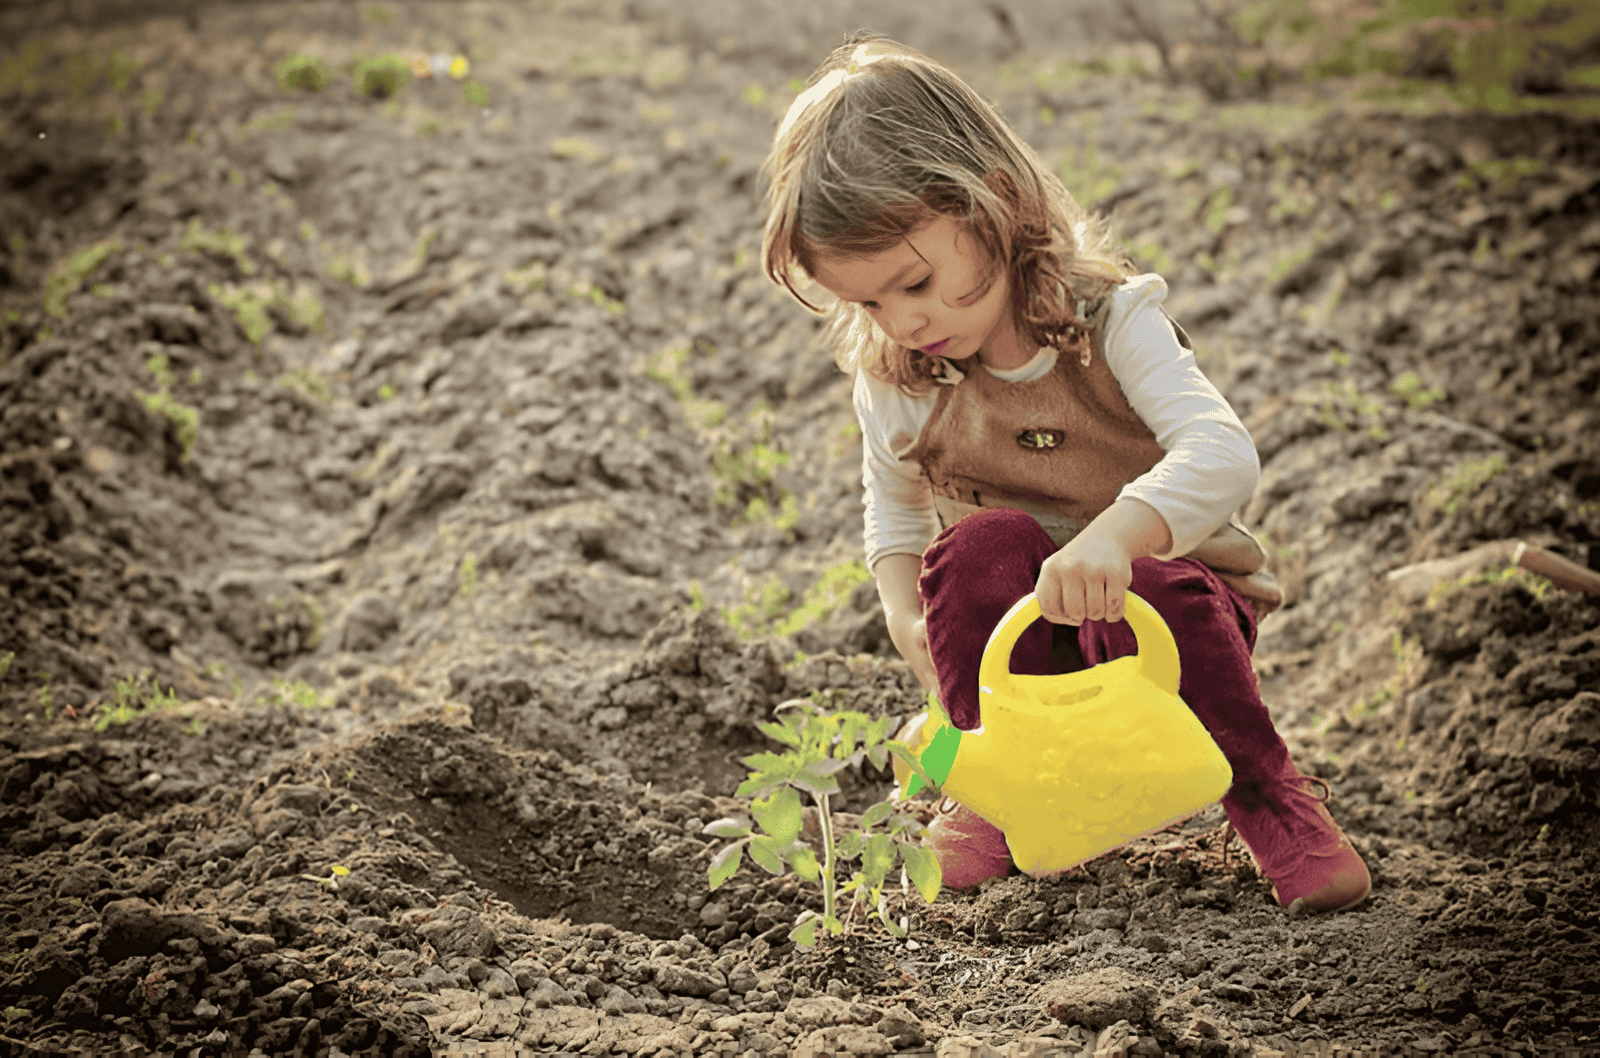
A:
[(1189, 596), (992, 531)]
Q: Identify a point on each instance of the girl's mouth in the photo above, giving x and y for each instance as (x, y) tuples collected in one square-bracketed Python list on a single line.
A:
[(936, 348)]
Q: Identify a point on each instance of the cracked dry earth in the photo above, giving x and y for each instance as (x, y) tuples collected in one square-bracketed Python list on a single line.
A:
[(500, 435)]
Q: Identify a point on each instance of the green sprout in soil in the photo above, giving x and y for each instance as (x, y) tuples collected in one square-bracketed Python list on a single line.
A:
[(302, 71), (131, 699), (162, 402), (1535, 584), (469, 576), (826, 595), (308, 382), (1454, 489), (820, 745), (285, 693), (6, 659), (380, 76), (1409, 387), (67, 277), (224, 242), (331, 882)]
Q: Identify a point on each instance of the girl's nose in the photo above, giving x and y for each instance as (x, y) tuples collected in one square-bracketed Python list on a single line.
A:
[(906, 327)]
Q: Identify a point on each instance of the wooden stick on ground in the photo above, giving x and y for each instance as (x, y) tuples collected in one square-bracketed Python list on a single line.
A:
[(1563, 573)]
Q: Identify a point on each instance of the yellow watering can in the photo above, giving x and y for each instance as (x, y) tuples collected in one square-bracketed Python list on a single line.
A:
[(1071, 766)]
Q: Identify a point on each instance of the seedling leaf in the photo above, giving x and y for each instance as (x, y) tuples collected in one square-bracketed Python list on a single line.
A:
[(780, 732), (725, 864), (804, 862), (876, 859), (922, 867), (804, 933), (764, 851), (728, 827), (779, 815)]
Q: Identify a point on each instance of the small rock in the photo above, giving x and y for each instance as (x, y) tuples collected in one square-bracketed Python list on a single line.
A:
[(714, 914), (425, 1007), (619, 1001), (1098, 999), (546, 993), (683, 981), (436, 977), (206, 1010), (499, 984)]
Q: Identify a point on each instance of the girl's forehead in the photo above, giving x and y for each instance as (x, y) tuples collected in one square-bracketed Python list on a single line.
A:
[(863, 277)]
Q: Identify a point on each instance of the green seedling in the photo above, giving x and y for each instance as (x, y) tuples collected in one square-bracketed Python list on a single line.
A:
[(285, 693), (821, 744), (1409, 387), (67, 277), (380, 76), (469, 576), (1454, 489), (301, 71), (331, 882), (5, 662), (130, 699)]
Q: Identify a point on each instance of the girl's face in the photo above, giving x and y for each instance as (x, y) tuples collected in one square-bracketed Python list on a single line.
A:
[(926, 293)]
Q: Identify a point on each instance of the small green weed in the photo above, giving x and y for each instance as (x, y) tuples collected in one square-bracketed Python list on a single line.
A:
[(820, 744), (531, 276), (301, 71), (469, 576), (6, 658), (765, 605), (380, 76), (131, 698), (1082, 171), (572, 147), (1534, 583), (474, 94), (249, 307), (1344, 407), (185, 418), (68, 276), (597, 297), (308, 382), (1455, 488), (223, 242), (297, 693), (1409, 387), (830, 592), (1215, 214)]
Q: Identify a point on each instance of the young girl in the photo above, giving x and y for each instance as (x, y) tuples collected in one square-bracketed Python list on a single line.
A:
[(1032, 421)]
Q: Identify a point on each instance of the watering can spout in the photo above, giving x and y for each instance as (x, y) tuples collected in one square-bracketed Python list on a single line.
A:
[(1074, 765)]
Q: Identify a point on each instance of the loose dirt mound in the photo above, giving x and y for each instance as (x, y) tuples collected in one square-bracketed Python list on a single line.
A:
[(413, 500)]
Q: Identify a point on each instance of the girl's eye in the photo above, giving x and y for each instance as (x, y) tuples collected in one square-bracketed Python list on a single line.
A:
[(923, 285)]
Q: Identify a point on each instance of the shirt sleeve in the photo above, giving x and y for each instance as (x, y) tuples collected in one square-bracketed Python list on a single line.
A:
[(900, 517), (1211, 467)]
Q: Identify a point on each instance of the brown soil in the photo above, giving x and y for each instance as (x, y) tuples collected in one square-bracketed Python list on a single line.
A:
[(443, 589)]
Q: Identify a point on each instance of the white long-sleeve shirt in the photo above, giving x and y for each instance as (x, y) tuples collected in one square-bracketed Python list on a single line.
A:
[(1210, 468)]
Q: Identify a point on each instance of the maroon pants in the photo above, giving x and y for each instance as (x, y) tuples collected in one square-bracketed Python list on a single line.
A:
[(975, 570)]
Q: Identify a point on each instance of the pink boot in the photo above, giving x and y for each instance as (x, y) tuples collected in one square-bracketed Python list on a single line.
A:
[(1296, 844), (969, 847)]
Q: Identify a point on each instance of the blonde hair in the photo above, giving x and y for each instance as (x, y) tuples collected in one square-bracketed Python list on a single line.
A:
[(882, 141)]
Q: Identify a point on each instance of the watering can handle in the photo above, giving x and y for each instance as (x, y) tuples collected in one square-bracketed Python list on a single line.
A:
[(1158, 652)]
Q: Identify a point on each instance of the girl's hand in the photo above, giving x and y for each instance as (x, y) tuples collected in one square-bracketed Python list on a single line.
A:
[(902, 609), (910, 635), (1088, 579)]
